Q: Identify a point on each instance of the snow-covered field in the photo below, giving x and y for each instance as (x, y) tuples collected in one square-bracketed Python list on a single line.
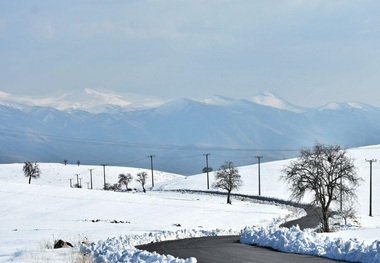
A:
[(33, 216)]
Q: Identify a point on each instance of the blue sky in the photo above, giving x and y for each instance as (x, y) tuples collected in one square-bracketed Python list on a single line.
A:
[(308, 52)]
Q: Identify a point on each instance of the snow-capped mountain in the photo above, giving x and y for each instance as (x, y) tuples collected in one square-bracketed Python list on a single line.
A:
[(336, 106), (270, 99), (265, 98), (178, 133), (86, 99)]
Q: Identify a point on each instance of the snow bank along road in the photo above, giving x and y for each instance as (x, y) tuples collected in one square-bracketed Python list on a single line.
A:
[(292, 240), (225, 249)]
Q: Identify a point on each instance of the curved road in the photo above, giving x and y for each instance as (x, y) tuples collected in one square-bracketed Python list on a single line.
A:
[(226, 249), (311, 220)]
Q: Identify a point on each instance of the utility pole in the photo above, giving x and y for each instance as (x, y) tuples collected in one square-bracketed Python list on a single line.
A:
[(341, 195), (91, 176), (104, 173), (208, 181), (151, 167), (258, 159), (77, 179), (370, 184)]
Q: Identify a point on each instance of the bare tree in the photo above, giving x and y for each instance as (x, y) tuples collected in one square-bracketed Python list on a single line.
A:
[(65, 162), (325, 171), (348, 210), (31, 170), (228, 178), (125, 179), (141, 178)]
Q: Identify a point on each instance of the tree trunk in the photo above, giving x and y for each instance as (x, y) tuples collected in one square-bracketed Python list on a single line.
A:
[(228, 198), (325, 220), (30, 179)]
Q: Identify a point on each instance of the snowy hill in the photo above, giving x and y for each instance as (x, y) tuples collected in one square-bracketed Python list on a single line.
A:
[(177, 132), (33, 215)]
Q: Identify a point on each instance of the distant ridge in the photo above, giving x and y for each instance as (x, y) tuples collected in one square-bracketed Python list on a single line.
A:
[(271, 99), (103, 100), (110, 128), (86, 99)]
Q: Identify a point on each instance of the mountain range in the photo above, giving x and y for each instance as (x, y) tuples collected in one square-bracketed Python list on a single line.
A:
[(118, 129)]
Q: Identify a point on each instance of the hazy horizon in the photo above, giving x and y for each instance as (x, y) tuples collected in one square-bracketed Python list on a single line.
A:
[(308, 52)]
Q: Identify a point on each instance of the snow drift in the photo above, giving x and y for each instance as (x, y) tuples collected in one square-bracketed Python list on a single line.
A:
[(308, 242)]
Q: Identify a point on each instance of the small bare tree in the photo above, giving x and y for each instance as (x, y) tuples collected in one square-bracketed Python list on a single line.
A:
[(125, 179), (141, 178), (326, 172), (65, 162), (228, 178), (348, 210), (31, 170)]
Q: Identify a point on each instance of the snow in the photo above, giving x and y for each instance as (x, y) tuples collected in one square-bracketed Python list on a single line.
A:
[(3, 95), (87, 99), (49, 209), (123, 248), (108, 225), (335, 106), (270, 99), (308, 242), (218, 100)]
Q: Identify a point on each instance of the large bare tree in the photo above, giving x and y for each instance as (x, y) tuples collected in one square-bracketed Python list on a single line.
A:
[(31, 170), (325, 171), (228, 178)]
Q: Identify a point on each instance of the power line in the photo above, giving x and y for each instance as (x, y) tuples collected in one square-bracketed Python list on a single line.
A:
[(179, 156), (131, 161), (67, 139), (233, 157)]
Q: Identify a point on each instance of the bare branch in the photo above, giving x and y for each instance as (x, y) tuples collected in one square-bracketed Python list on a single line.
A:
[(325, 171), (228, 178)]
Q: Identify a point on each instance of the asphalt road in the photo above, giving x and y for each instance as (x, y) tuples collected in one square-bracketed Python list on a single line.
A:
[(225, 249), (311, 220)]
